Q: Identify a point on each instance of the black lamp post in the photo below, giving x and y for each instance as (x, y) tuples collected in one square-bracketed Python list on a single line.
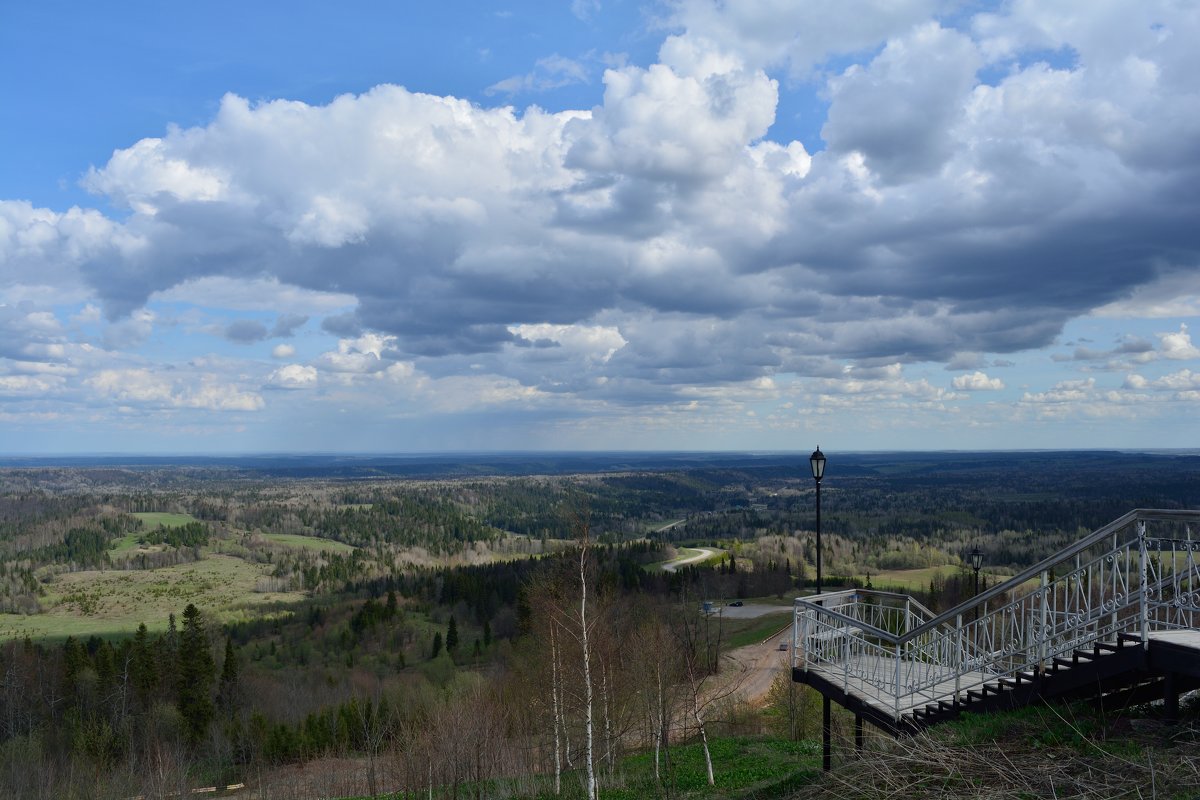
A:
[(817, 462), (976, 557)]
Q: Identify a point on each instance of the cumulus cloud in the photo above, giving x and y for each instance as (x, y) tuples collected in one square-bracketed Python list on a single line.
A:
[(977, 382), (292, 376), (283, 351), (146, 389), (1178, 346), (973, 197)]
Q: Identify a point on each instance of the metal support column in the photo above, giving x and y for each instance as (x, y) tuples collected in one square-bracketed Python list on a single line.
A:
[(1170, 699), (858, 732)]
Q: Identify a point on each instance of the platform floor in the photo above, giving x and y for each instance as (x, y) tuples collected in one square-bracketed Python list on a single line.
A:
[(878, 692)]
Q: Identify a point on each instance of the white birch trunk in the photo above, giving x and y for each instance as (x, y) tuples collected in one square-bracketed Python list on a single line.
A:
[(704, 742), (608, 742), (587, 671), (554, 690)]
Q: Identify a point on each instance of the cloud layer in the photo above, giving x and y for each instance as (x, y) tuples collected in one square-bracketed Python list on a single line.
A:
[(984, 180)]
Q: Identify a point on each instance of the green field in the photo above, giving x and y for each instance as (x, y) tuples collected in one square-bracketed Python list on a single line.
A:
[(117, 601), (741, 632), (154, 519), (310, 542), (909, 578), (125, 543)]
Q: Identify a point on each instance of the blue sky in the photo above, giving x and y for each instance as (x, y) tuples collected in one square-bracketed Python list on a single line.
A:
[(237, 227)]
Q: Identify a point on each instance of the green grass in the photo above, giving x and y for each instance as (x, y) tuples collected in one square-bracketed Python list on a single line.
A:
[(310, 542), (108, 602), (909, 578), (153, 519), (742, 632), (125, 543), (743, 767)]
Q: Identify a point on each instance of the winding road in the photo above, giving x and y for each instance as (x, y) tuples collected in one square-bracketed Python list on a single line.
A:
[(700, 554)]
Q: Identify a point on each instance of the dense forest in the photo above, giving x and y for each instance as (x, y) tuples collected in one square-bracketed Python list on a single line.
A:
[(174, 626)]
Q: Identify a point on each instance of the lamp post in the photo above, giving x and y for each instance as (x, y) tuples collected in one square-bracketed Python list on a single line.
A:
[(976, 557), (817, 462)]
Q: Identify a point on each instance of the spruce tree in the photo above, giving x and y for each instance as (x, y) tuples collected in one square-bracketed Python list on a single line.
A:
[(437, 644), (227, 691), (196, 671), (452, 635)]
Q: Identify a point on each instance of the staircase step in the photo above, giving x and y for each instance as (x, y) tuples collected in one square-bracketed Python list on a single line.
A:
[(1062, 663), (1083, 655), (1107, 647)]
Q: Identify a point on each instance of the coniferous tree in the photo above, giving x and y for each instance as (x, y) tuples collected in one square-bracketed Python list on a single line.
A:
[(227, 690), (142, 671), (452, 635), (196, 672), (437, 644)]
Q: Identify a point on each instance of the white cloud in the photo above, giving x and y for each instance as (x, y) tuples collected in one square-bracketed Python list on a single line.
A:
[(293, 376), (662, 247), (358, 356), (551, 72), (1178, 346), (253, 294), (142, 387), (29, 385), (977, 382), (596, 342), (1182, 380)]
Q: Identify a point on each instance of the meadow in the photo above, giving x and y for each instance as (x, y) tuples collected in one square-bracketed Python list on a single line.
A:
[(112, 602)]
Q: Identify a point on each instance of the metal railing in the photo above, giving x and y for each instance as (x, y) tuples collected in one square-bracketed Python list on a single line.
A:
[(896, 654)]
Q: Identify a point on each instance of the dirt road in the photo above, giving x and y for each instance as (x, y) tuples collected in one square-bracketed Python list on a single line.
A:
[(754, 667)]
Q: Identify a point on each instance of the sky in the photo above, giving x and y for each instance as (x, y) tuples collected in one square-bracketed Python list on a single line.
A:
[(232, 227)]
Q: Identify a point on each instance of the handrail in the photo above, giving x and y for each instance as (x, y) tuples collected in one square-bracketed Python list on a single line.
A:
[(1001, 589), (1116, 588)]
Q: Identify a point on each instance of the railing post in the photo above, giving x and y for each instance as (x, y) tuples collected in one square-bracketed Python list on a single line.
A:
[(1115, 569), (1045, 623), (846, 662), (961, 658), (1145, 610), (897, 695)]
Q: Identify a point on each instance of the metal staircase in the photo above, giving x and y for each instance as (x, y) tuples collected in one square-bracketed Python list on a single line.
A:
[(1115, 615)]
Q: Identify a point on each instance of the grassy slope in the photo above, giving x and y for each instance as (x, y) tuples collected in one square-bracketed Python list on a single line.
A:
[(310, 542), (741, 632), (153, 519), (117, 601)]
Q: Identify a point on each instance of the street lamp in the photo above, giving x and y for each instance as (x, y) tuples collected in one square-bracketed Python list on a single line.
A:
[(817, 462), (976, 557)]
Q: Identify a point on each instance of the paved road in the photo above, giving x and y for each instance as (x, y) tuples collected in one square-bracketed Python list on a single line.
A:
[(751, 610), (700, 554)]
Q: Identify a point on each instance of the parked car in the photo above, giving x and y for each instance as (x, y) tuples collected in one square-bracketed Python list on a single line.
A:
[(736, 604), (783, 645)]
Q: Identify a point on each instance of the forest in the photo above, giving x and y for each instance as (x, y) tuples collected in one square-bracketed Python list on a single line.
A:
[(458, 628)]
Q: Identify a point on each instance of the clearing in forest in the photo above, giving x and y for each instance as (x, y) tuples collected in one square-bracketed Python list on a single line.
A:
[(117, 601)]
